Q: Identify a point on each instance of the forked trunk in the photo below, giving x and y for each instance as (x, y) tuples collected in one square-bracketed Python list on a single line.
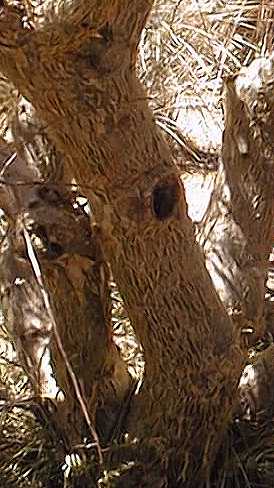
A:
[(79, 74)]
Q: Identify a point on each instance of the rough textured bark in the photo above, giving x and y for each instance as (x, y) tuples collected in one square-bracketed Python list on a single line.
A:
[(256, 392), (237, 231), (78, 71), (77, 279), (97, 114)]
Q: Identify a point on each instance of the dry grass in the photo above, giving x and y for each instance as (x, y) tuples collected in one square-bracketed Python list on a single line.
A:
[(186, 51)]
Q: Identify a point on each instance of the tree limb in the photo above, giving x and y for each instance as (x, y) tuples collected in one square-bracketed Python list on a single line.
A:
[(237, 231), (67, 29)]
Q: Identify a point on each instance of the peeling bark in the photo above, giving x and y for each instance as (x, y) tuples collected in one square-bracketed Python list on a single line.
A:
[(264, 28), (256, 392)]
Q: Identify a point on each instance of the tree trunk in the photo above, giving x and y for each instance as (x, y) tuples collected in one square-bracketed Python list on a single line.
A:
[(78, 72), (77, 279)]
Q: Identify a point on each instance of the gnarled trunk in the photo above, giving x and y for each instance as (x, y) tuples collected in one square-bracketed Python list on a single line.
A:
[(78, 72)]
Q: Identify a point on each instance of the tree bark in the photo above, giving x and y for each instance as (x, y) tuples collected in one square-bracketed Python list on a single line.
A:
[(78, 72), (80, 77), (77, 280), (237, 230)]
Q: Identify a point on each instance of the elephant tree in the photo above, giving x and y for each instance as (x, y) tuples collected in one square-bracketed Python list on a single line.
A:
[(76, 66)]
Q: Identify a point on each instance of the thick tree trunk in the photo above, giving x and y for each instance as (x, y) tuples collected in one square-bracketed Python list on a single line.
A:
[(78, 72), (98, 116)]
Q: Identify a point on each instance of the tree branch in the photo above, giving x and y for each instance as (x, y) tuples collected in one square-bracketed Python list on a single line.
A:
[(67, 29), (236, 232), (74, 272)]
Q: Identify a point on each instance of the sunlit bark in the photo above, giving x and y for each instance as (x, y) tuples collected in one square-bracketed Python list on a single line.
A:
[(237, 231), (78, 72), (77, 280)]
